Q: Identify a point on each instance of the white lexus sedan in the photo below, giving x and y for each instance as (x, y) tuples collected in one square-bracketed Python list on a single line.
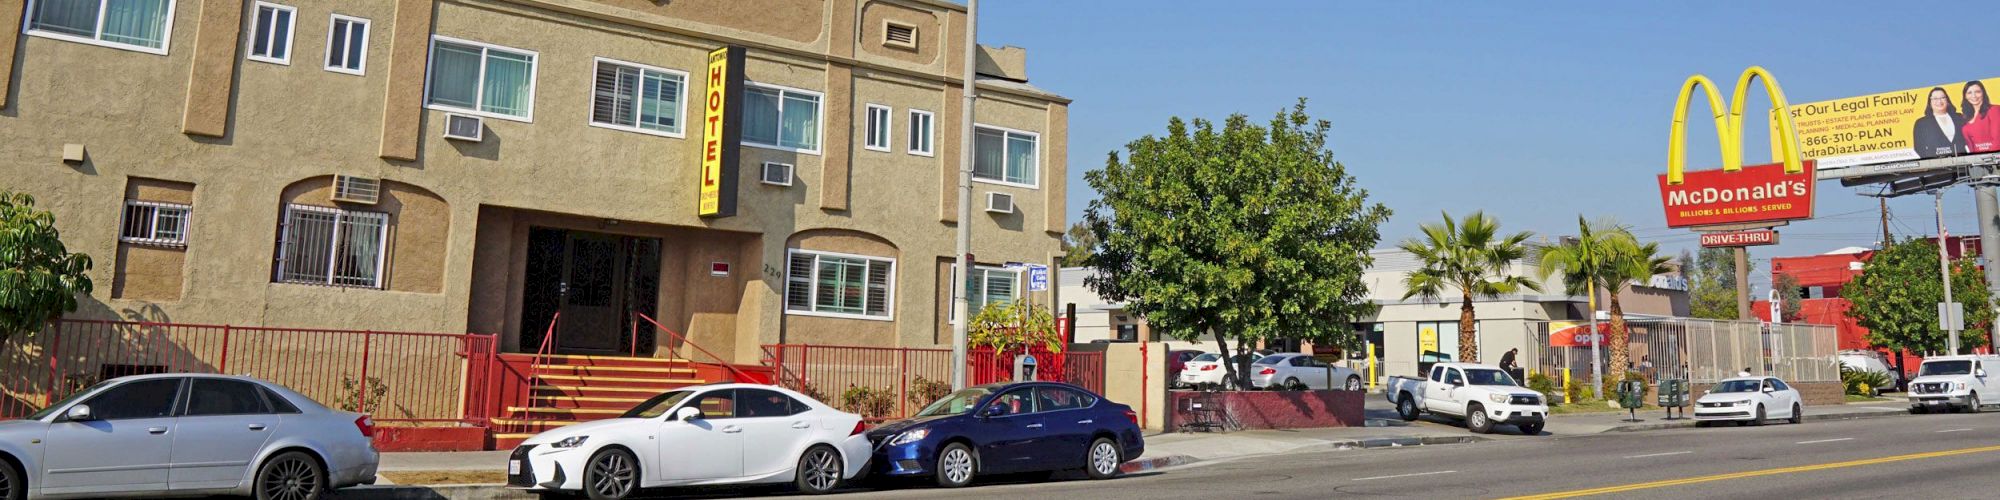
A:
[(185, 435), (1750, 400), (699, 435), (1301, 371)]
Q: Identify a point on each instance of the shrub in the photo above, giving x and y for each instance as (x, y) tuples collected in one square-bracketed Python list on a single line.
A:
[(924, 391), (355, 399), (1573, 394), (868, 401), (1543, 384), (1863, 383)]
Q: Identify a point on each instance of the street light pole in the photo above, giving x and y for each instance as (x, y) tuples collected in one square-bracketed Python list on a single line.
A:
[(1944, 269), (960, 302)]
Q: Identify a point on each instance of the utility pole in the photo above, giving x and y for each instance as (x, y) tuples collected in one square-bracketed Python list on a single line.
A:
[(1743, 284), (1944, 269), (1884, 203), (960, 302)]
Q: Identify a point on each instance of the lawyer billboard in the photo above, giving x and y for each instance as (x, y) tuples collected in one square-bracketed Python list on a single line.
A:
[(1926, 122)]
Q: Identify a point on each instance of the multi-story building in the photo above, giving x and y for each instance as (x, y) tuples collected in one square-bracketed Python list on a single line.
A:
[(480, 165)]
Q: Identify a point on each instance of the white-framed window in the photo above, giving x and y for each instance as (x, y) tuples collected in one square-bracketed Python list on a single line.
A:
[(271, 33), (481, 79), (988, 285), (154, 223), (840, 285), (637, 98), (922, 132), (875, 136), (138, 25), (347, 45), (781, 118), (1005, 156), (329, 246)]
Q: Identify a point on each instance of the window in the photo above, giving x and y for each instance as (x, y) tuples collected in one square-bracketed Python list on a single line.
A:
[(150, 223), (781, 118), (214, 396), (839, 285), (1004, 156), (140, 25), (766, 403), (271, 34), (332, 247), (482, 79), (1015, 401), (278, 403), (637, 98), (1058, 398), (347, 45), (990, 285), (921, 124), (716, 405), (876, 135), (1453, 377), (153, 398)]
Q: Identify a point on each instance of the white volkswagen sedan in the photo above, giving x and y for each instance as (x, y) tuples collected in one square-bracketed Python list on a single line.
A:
[(185, 435), (1749, 400), (699, 435), (1295, 370)]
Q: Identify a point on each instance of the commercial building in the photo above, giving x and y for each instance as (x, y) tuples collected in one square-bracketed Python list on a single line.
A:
[(481, 165)]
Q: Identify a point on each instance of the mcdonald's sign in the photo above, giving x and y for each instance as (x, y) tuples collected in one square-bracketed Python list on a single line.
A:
[(1734, 194)]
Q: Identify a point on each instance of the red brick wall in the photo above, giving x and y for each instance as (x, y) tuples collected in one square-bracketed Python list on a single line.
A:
[(1813, 393), (1273, 409)]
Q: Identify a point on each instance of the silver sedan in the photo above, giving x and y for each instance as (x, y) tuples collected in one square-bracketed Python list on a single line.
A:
[(185, 435)]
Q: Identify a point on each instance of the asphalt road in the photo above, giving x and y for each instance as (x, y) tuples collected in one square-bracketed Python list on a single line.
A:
[(1954, 455)]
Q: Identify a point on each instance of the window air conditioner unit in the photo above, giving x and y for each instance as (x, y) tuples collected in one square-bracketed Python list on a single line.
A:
[(1000, 203), (463, 127), (351, 189), (776, 174)]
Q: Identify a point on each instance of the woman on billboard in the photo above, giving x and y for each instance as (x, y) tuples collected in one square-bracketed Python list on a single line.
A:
[(1939, 132), (1981, 119)]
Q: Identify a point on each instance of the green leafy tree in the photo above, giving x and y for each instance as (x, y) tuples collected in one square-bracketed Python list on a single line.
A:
[(1711, 278), (1897, 293), (1789, 297), (1011, 325), (1247, 232), (1077, 244), (39, 279), (1471, 257), (1605, 254)]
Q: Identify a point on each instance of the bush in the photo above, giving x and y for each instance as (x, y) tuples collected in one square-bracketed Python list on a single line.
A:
[(1863, 383), (868, 401), (925, 391), (1545, 385), (353, 398)]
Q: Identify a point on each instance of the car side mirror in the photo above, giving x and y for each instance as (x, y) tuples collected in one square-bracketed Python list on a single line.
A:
[(1768, 390), (687, 414), (994, 411), (1981, 373), (79, 413)]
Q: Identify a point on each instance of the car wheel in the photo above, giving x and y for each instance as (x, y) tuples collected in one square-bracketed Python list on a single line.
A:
[(291, 475), (1700, 424), (1531, 429), (1476, 419), (1293, 384), (1758, 419), (1104, 459), (1972, 403), (819, 471), (1798, 415), (612, 474), (1406, 408), (956, 466), (12, 485), (1353, 383)]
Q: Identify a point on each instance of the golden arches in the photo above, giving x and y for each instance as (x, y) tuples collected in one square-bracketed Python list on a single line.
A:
[(1729, 127)]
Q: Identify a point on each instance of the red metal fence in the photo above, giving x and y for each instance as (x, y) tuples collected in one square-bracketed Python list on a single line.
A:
[(395, 376), (891, 383)]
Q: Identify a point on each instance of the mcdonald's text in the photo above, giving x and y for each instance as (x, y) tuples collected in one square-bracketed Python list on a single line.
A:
[(1762, 193)]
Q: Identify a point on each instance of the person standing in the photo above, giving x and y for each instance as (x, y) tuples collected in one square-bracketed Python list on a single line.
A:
[(1981, 122), (1508, 364), (1940, 131)]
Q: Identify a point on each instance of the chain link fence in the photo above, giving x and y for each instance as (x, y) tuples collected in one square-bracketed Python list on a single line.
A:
[(1698, 350)]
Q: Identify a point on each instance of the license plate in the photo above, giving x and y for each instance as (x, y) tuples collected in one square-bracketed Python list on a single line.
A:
[(513, 467)]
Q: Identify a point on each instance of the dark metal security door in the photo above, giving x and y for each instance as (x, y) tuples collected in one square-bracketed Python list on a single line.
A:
[(596, 280)]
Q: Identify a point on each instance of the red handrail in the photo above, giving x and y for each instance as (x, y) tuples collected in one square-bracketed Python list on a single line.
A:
[(541, 355), (739, 375)]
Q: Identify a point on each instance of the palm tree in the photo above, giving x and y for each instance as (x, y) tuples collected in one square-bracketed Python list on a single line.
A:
[(1607, 255), (1471, 257)]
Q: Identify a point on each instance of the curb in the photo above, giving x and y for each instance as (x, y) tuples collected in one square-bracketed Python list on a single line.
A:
[(1155, 463), (1394, 442), (440, 492), (1810, 417)]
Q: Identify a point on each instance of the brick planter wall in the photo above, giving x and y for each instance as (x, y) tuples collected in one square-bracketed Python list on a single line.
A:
[(1273, 409), (1813, 393)]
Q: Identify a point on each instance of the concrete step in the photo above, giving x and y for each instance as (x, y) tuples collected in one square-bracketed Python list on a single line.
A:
[(659, 384), (615, 371)]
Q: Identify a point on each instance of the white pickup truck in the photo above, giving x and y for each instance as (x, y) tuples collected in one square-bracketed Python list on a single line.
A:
[(1954, 382), (1482, 395)]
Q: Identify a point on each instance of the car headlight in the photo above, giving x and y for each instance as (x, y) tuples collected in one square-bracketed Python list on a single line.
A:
[(909, 436), (1497, 398), (1742, 403), (569, 442), (1958, 386)]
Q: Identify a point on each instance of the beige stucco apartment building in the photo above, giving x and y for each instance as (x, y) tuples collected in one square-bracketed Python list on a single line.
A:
[(287, 163)]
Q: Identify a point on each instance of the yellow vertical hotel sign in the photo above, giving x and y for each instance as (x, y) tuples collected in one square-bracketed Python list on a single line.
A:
[(721, 131)]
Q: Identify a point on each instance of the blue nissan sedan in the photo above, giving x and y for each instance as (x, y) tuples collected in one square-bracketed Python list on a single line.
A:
[(1009, 428)]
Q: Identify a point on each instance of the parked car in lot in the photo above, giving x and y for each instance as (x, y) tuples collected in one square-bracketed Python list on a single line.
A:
[(1953, 383), (1177, 362), (699, 435), (1009, 428), (1750, 400), (1206, 370), (1482, 395), (185, 435), (1294, 370)]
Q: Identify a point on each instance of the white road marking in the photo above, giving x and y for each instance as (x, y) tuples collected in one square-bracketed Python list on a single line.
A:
[(1825, 441), (1405, 475), (1661, 454), (1954, 430)]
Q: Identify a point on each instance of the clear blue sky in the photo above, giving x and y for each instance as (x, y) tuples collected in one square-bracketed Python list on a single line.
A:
[(1534, 115)]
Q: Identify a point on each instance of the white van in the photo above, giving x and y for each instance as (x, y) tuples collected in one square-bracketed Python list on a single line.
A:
[(1873, 361), (1955, 383)]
